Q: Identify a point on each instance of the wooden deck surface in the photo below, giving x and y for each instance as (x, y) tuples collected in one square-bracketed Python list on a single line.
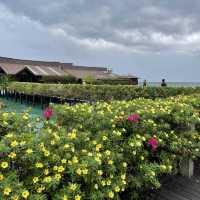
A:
[(180, 188)]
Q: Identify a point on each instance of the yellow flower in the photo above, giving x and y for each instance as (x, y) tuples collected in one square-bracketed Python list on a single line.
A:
[(63, 161), (25, 117), (96, 186), (85, 171), (12, 155), (111, 195), (22, 143), (52, 142), (65, 197), (25, 194), (98, 147), (117, 189), (57, 177), (104, 138), (35, 179), (66, 146), (46, 172), (40, 189), (73, 187), (108, 182), (103, 183), (4, 165), (15, 197), (5, 123), (84, 151), (47, 179), (29, 151), (108, 152), (69, 162), (7, 191), (98, 159), (77, 197), (14, 143), (94, 142), (100, 172), (61, 169), (72, 135), (46, 153), (90, 154), (110, 162), (78, 171), (124, 164), (5, 114), (9, 135), (39, 165), (1, 177), (123, 176), (74, 160)]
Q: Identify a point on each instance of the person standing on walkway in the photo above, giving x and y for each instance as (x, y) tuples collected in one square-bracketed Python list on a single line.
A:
[(144, 83), (163, 84)]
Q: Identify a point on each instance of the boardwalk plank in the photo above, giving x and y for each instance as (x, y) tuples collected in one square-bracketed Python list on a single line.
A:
[(180, 188)]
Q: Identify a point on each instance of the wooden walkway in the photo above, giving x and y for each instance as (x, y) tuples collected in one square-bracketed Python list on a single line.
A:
[(180, 188)]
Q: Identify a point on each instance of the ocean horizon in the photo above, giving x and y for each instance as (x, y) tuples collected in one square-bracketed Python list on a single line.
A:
[(174, 84)]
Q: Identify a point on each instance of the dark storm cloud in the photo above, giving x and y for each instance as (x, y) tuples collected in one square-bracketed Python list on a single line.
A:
[(145, 25)]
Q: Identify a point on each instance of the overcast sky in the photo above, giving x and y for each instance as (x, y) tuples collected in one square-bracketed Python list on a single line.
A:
[(152, 39)]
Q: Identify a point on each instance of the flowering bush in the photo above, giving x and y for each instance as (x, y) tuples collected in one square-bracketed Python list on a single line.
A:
[(154, 134), (112, 150)]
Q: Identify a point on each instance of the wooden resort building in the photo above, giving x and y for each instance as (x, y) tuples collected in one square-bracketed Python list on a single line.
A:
[(43, 71)]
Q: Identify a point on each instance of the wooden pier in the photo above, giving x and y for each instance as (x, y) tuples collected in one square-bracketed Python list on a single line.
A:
[(34, 99), (180, 188)]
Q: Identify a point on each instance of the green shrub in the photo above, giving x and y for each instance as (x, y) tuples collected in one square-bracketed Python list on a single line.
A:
[(100, 92), (59, 79)]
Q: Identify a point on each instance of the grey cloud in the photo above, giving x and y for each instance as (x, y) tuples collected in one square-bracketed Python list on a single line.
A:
[(110, 21), (129, 24)]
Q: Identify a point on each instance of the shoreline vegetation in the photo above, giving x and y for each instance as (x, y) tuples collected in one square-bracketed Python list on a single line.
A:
[(119, 147), (98, 92)]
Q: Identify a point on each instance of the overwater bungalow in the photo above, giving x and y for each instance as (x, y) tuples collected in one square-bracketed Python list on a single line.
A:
[(43, 71)]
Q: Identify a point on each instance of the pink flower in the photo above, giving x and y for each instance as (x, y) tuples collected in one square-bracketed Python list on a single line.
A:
[(133, 118), (48, 112), (154, 143)]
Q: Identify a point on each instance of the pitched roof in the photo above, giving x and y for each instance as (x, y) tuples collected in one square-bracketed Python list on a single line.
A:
[(11, 69), (46, 71), (78, 67), (33, 62), (83, 73), (45, 68)]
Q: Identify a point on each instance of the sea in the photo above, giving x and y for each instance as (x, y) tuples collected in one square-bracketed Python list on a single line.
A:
[(174, 84)]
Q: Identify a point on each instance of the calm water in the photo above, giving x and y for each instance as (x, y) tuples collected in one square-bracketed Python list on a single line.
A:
[(12, 106), (175, 84)]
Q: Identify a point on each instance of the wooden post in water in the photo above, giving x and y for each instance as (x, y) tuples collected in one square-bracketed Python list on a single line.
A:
[(33, 100), (41, 101), (15, 96), (20, 97)]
